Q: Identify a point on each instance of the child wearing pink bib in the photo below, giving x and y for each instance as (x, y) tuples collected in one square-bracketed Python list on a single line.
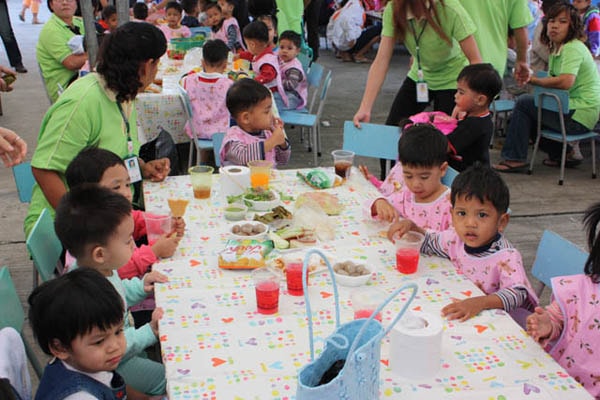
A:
[(569, 326), (292, 74), (173, 28)]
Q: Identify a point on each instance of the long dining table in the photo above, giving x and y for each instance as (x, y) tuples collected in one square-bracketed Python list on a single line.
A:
[(215, 345)]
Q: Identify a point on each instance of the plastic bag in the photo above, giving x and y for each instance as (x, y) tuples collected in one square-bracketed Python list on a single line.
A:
[(310, 215)]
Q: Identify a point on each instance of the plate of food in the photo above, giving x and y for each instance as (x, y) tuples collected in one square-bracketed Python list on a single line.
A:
[(248, 230), (261, 199)]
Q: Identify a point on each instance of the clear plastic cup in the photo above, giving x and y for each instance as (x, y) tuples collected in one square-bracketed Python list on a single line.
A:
[(293, 277), (407, 252), (266, 284), (201, 177), (342, 162), (260, 173), (365, 301), (156, 226)]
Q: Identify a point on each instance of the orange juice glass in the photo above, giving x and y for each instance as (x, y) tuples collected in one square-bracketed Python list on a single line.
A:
[(260, 173)]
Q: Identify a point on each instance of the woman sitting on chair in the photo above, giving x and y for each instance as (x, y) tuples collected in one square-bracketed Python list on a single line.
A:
[(571, 67)]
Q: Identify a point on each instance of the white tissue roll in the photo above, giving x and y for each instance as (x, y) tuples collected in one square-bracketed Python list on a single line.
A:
[(235, 180), (416, 346)]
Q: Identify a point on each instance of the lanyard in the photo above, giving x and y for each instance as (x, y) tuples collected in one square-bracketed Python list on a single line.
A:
[(126, 121), (417, 40)]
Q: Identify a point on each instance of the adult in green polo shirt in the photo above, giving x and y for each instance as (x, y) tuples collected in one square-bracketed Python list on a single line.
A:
[(58, 63), (87, 113), (439, 37)]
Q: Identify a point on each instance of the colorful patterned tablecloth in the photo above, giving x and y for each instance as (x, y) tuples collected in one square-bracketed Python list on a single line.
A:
[(158, 111), (216, 346)]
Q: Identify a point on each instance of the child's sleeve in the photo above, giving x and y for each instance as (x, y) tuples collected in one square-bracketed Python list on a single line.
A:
[(232, 33), (185, 32), (138, 339), (265, 74), (239, 153), (282, 156), (291, 79), (142, 258), (593, 35), (139, 224), (511, 275), (134, 291), (435, 244)]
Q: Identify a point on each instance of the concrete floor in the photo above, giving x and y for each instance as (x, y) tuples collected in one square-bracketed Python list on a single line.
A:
[(538, 203)]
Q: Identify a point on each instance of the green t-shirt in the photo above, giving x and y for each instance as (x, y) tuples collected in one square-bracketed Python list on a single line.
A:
[(51, 51), (493, 19), (84, 115), (440, 62), (289, 15), (584, 96)]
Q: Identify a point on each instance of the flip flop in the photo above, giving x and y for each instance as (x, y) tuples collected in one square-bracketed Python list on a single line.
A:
[(22, 17), (569, 163), (510, 169)]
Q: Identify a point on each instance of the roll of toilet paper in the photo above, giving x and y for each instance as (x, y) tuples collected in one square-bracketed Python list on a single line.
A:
[(416, 345), (235, 180)]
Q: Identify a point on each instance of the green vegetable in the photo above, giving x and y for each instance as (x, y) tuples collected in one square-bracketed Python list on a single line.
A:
[(278, 241), (291, 232)]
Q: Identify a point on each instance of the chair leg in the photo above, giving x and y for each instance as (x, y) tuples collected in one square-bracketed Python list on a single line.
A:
[(535, 149), (318, 140), (191, 153), (593, 158), (563, 159), (315, 143)]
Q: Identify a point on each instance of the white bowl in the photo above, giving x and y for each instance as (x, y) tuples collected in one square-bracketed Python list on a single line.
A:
[(263, 205), (257, 235), (352, 281), (235, 212)]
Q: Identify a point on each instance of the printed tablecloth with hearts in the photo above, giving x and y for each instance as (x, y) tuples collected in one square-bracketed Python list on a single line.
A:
[(216, 346)]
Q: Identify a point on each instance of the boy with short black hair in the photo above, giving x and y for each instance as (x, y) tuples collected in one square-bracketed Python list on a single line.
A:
[(192, 11), (140, 12), (292, 74)]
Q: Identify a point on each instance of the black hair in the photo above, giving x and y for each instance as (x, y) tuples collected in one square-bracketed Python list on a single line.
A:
[(175, 6), (215, 52), (72, 305), (273, 20), (123, 51), (245, 94), (140, 11), (189, 5), (257, 30), (575, 25), (212, 5), (108, 12), (89, 165), (484, 183), (591, 218), (293, 37), (422, 145), (483, 79), (88, 215), (547, 5)]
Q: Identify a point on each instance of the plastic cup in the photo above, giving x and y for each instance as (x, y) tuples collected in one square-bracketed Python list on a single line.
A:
[(407, 252), (365, 301), (156, 226), (293, 277), (201, 176), (260, 172), (342, 162), (266, 284)]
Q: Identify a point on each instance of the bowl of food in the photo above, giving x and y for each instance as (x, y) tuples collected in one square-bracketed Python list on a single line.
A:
[(235, 212), (350, 273), (261, 199), (249, 230)]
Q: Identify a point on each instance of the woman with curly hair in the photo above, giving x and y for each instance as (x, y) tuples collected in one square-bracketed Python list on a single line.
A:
[(98, 110)]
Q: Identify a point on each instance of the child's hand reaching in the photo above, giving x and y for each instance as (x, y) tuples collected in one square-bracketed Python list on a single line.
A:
[(166, 245), (400, 227), (468, 308), (364, 171), (156, 316), (382, 209), (151, 278), (178, 224), (538, 324)]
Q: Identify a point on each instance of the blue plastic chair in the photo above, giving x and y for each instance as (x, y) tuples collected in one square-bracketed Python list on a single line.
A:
[(310, 120), (497, 107), (451, 173), (195, 142), (13, 315), (45, 248), (558, 101), (372, 140), (24, 181), (217, 141), (556, 256)]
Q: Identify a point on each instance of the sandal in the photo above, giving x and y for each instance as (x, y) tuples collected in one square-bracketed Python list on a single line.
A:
[(569, 163), (22, 17), (509, 168)]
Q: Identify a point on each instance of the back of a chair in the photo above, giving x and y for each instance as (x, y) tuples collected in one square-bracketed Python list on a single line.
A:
[(11, 310), (323, 94), (305, 61), (44, 246), (451, 173), (372, 140), (24, 180), (217, 140), (556, 100), (556, 256), (315, 74)]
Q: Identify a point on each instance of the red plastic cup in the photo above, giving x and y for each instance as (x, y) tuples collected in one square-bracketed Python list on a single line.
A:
[(293, 277), (407, 252), (266, 284)]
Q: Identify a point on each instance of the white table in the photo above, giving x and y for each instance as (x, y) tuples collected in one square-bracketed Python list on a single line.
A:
[(216, 346)]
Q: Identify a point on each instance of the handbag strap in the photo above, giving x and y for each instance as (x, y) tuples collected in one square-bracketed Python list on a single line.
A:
[(307, 301)]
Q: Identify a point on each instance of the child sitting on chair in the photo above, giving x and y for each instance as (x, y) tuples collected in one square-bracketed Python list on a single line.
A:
[(257, 135), (173, 28), (95, 225), (568, 327), (77, 318), (476, 247), (226, 29), (207, 90), (414, 190), (192, 11), (292, 73)]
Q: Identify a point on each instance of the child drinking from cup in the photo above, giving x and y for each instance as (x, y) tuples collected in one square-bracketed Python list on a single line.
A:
[(257, 135), (477, 248), (95, 225), (292, 74), (173, 28)]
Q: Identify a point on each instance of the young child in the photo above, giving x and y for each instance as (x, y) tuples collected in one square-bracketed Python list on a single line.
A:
[(108, 21), (414, 190), (568, 327), (271, 23), (292, 74), (476, 247), (173, 28), (257, 135), (95, 225), (224, 27), (77, 318), (591, 24), (192, 11), (140, 12), (477, 86), (264, 62), (207, 90)]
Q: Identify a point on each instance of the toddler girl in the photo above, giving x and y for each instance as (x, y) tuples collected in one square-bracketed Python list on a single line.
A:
[(173, 28)]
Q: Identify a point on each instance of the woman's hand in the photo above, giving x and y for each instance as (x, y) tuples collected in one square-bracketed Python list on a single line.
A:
[(156, 170), (12, 148)]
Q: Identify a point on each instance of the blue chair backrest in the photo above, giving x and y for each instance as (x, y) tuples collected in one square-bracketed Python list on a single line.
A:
[(556, 256), (11, 309), (201, 29), (451, 173), (24, 180), (44, 246), (305, 61), (326, 84), (556, 100), (217, 140), (315, 74), (372, 140)]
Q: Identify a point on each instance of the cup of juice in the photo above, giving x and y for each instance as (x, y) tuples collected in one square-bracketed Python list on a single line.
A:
[(293, 277), (260, 173), (156, 226), (365, 301), (342, 162), (201, 177), (266, 285), (407, 252)]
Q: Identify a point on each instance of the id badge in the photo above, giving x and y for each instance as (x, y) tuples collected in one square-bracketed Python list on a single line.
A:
[(133, 169), (422, 92)]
